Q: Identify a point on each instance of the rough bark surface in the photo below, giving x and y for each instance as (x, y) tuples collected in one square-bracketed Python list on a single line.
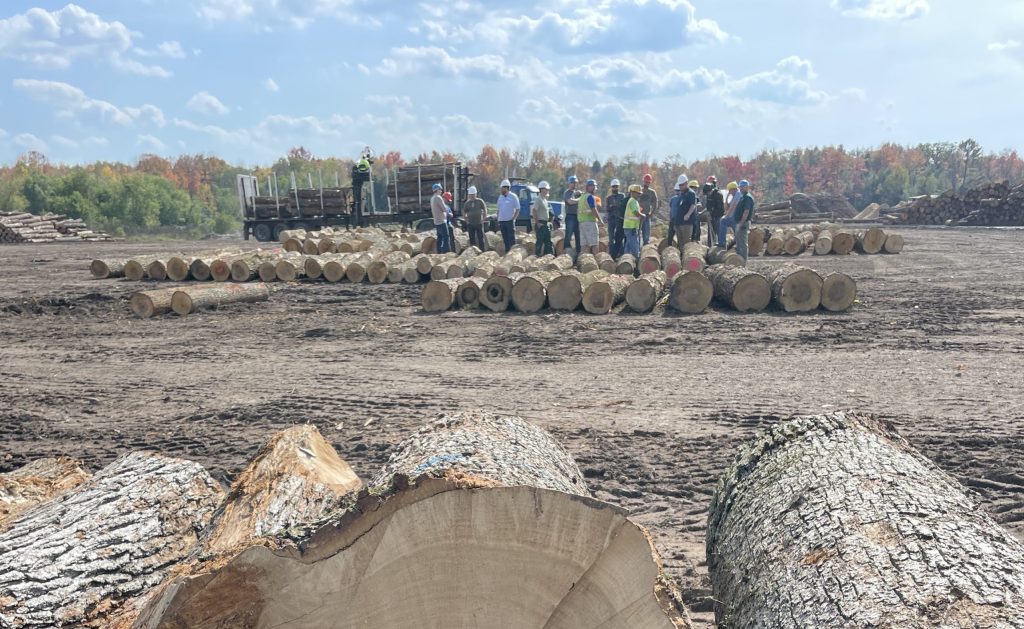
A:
[(150, 303), (717, 255), (626, 264), (36, 482), (82, 558), (740, 288), (103, 269), (647, 290), (691, 292), (190, 299), (672, 261), (586, 263), (836, 521), (606, 293), (823, 243)]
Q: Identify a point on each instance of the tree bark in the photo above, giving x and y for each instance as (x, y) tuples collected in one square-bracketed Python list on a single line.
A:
[(694, 255), (468, 294), (836, 521), (289, 269), (717, 255), (151, 303), (794, 288), (586, 262), (740, 288), (893, 243), (604, 294), (37, 482), (496, 293), (490, 503), (86, 556), (530, 293), (755, 241), (671, 261), (566, 291), (605, 262), (626, 264), (377, 272), (647, 290), (798, 243), (189, 300), (427, 262), (355, 270), (104, 269), (870, 241), (775, 243), (838, 292), (650, 259), (691, 292)]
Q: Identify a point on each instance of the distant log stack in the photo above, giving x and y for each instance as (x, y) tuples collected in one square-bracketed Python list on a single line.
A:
[(992, 204), (836, 521), (22, 227)]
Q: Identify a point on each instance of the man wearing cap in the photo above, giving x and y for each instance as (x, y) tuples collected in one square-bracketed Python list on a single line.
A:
[(616, 204), (541, 220), (475, 213), (673, 216), (739, 219), (508, 212), (688, 225), (439, 212), (570, 203), (588, 210), (715, 204), (648, 206), (631, 220)]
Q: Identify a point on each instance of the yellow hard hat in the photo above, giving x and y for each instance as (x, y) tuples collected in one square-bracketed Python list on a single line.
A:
[(636, 188), (693, 183), (732, 186)]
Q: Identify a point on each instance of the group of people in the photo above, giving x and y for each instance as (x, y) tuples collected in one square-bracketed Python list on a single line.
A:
[(628, 215)]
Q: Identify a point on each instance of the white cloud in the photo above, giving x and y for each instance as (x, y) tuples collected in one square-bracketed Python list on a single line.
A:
[(172, 49), (632, 79), (30, 142), (147, 113), (270, 85), (3, 134), (999, 46), (855, 93), (406, 61), (787, 84), (238, 137), (149, 142), (73, 104), (55, 39), (206, 103), (883, 9), (64, 141), (293, 13), (548, 113)]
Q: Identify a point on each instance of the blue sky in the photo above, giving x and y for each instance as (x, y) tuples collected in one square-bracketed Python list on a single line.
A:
[(247, 79)]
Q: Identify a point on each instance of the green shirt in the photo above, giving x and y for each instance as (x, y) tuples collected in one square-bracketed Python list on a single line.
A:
[(746, 204), (541, 210), (475, 210)]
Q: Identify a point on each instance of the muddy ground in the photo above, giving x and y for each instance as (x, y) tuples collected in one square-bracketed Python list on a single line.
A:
[(653, 407)]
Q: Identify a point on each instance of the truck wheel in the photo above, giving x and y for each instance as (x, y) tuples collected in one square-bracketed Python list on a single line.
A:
[(262, 232), (280, 227)]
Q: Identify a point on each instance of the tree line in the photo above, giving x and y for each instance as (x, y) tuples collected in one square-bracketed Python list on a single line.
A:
[(195, 194)]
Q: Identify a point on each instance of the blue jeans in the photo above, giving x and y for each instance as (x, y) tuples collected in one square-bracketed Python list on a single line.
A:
[(723, 228), (695, 223), (645, 227), (632, 241), (572, 229), (444, 245), (508, 234)]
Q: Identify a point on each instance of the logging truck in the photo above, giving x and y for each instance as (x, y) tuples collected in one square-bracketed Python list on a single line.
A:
[(400, 195)]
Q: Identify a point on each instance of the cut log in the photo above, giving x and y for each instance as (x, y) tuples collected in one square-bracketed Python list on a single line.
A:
[(199, 269), (650, 259), (496, 293), (103, 269), (467, 296), (893, 243), (565, 292), (439, 295), (755, 241), (150, 303), (425, 263), (85, 557), (530, 293), (843, 242), (717, 255), (334, 269), (672, 261), (188, 300), (37, 482), (178, 268), (740, 288), (606, 293), (378, 271), (267, 270), (823, 243), (694, 256), (246, 268), (156, 270), (355, 270), (495, 506), (626, 264), (135, 269), (836, 521), (798, 243), (775, 243), (220, 269), (289, 269), (838, 292), (691, 292), (586, 263), (647, 290), (870, 241), (794, 288)]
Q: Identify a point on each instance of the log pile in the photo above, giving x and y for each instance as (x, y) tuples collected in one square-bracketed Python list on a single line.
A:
[(820, 239), (991, 204), (836, 521), (21, 227)]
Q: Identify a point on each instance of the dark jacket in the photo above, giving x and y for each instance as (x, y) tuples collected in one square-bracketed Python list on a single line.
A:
[(616, 204), (714, 201)]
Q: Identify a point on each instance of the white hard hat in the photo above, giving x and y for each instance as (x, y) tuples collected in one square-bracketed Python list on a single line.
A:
[(543, 186), (682, 180), (615, 182), (471, 190), (505, 183)]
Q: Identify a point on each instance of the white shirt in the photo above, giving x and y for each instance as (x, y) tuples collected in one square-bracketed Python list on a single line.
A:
[(508, 205)]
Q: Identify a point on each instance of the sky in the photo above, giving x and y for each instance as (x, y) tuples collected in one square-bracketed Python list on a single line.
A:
[(248, 79)]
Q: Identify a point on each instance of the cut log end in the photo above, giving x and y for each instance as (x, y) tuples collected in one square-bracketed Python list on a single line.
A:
[(838, 292), (691, 293)]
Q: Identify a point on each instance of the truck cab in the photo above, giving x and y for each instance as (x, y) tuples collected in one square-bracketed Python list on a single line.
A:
[(526, 192)]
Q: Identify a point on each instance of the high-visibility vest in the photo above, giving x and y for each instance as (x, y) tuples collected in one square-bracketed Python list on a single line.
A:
[(631, 220), (585, 213)]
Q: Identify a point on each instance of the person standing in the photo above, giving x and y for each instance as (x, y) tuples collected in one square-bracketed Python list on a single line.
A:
[(439, 212), (508, 212), (542, 220), (648, 206), (570, 203), (714, 202), (674, 216), (589, 217), (475, 213), (739, 220), (631, 220), (616, 204), (691, 216), (449, 204)]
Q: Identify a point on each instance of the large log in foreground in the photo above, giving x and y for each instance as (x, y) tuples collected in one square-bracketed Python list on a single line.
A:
[(151, 303), (838, 292), (691, 292), (795, 288), (477, 520), (190, 299), (740, 288), (836, 521), (83, 558), (36, 482)]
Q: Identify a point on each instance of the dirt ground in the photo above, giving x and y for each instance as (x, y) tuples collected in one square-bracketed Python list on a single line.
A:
[(653, 407)]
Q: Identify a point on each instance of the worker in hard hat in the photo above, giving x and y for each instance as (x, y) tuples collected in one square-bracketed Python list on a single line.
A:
[(739, 219), (673, 215), (570, 202), (588, 210), (689, 227), (439, 212), (508, 212), (475, 214), (542, 220), (714, 203), (449, 206), (648, 206), (631, 220), (615, 202)]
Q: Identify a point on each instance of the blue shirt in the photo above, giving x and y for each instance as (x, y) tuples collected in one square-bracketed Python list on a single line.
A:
[(508, 205), (673, 208)]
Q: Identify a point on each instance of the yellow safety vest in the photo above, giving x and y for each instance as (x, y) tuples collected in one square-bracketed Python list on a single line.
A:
[(632, 218), (584, 213)]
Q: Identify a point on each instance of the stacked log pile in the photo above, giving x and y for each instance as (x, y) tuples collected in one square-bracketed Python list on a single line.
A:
[(821, 239), (992, 204), (30, 228)]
